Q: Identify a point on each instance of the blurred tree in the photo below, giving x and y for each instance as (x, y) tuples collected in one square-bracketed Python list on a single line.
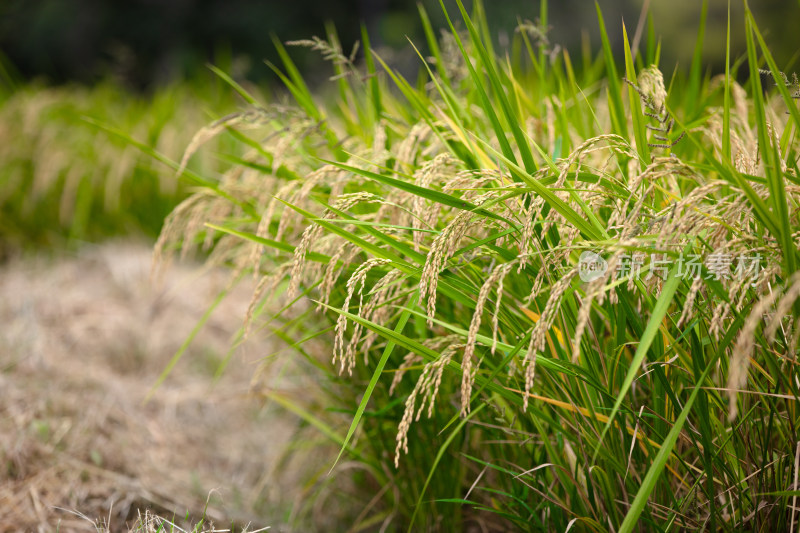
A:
[(147, 42)]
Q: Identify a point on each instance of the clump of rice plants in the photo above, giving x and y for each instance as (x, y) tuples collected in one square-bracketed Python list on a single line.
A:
[(64, 179), (551, 300)]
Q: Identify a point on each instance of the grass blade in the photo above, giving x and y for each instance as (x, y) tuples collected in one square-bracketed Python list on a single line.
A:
[(659, 312), (439, 455), (373, 382), (660, 460)]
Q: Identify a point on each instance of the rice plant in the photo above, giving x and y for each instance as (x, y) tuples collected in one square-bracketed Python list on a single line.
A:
[(549, 300), (66, 180)]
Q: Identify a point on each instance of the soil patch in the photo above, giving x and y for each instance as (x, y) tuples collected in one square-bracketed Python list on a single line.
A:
[(82, 342)]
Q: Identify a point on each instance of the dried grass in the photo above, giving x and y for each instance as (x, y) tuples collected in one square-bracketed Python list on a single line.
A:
[(84, 340)]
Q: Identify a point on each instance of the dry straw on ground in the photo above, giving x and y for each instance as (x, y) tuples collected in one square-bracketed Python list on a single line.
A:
[(83, 341)]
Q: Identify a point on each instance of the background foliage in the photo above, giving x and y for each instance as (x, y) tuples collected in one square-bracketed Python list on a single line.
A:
[(145, 43)]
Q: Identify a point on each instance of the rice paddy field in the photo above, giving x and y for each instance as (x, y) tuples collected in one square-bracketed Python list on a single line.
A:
[(521, 291)]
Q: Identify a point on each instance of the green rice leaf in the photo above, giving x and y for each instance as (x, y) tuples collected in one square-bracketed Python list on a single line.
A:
[(653, 326), (660, 461), (373, 382)]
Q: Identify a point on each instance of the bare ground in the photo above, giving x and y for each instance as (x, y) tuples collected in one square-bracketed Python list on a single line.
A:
[(83, 340)]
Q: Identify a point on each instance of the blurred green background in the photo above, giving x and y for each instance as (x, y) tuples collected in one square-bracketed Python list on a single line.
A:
[(146, 43)]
